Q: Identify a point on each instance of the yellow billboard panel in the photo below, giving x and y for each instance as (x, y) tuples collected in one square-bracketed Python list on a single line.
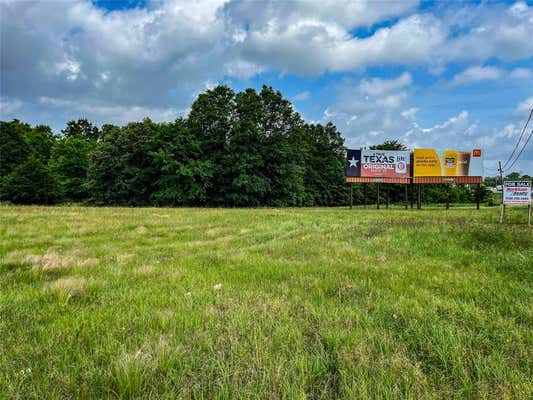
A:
[(431, 162)]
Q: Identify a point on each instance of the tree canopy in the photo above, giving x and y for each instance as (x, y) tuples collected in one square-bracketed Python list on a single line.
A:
[(243, 149)]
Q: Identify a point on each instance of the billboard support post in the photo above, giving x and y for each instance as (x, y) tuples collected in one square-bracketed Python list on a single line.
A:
[(366, 192), (447, 197), (351, 195), (478, 195), (378, 198), (412, 194), (405, 195), (387, 198), (419, 200)]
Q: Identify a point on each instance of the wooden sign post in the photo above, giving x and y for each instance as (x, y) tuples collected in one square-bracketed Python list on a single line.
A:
[(502, 215)]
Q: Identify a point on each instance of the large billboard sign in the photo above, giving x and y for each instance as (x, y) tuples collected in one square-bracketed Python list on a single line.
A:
[(378, 164), (452, 166), (517, 192)]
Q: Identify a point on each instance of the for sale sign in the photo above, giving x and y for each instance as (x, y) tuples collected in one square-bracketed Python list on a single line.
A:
[(517, 192)]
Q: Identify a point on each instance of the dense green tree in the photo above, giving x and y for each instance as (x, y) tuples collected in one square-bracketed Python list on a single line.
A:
[(282, 129), (210, 121), (14, 150), (185, 175), (244, 164), (389, 145), (40, 141), (69, 162), (29, 183), (324, 153), (81, 128), (124, 169)]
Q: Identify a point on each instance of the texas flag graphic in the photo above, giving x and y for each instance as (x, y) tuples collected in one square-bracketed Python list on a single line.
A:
[(353, 163)]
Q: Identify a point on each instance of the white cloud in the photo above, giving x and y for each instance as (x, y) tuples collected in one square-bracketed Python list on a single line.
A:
[(410, 113), (302, 96), (476, 74), (311, 47), (521, 73), (486, 73), (113, 114), (491, 31), (379, 86), (525, 106), (9, 106), (242, 69)]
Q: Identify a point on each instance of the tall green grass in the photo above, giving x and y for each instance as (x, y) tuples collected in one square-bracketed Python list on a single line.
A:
[(265, 304)]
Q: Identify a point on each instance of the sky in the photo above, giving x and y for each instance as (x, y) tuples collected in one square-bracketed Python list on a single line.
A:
[(442, 74)]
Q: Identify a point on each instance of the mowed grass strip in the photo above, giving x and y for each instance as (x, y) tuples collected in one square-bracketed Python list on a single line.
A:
[(265, 303)]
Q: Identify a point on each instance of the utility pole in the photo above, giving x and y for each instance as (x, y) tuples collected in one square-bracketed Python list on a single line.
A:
[(502, 216)]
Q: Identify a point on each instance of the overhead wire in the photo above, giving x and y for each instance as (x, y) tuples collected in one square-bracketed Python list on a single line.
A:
[(521, 150), (519, 140)]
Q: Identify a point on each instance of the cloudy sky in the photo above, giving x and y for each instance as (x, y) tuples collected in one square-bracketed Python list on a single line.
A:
[(431, 73)]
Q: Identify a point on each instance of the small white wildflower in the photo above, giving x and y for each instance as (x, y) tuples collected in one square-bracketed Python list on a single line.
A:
[(218, 286), (188, 294)]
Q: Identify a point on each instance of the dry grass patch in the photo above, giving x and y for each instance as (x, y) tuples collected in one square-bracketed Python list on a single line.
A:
[(54, 262), (144, 270), (142, 230), (125, 258), (71, 287)]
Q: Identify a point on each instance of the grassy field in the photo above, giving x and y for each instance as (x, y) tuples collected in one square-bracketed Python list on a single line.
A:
[(268, 303)]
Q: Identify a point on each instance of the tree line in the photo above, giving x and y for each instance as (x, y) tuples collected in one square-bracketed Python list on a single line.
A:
[(234, 149), (245, 149)]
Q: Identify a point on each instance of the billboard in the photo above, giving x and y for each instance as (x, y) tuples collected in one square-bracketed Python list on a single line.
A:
[(378, 164), (448, 164), (517, 192)]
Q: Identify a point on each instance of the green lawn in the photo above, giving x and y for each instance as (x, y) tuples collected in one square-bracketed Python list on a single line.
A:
[(265, 303)]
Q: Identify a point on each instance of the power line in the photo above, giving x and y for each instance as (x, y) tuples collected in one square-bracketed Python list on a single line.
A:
[(523, 148), (518, 141)]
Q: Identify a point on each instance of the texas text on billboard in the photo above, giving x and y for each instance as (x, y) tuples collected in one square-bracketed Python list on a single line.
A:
[(376, 165)]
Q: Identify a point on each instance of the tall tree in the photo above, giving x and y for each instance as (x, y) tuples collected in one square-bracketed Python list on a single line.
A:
[(185, 174), (324, 165), (13, 148), (40, 140), (211, 120), (81, 128), (244, 164), (29, 183), (123, 167), (282, 153), (69, 162)]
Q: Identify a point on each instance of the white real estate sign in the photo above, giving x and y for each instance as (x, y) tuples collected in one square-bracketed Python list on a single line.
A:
[(517, 192)]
